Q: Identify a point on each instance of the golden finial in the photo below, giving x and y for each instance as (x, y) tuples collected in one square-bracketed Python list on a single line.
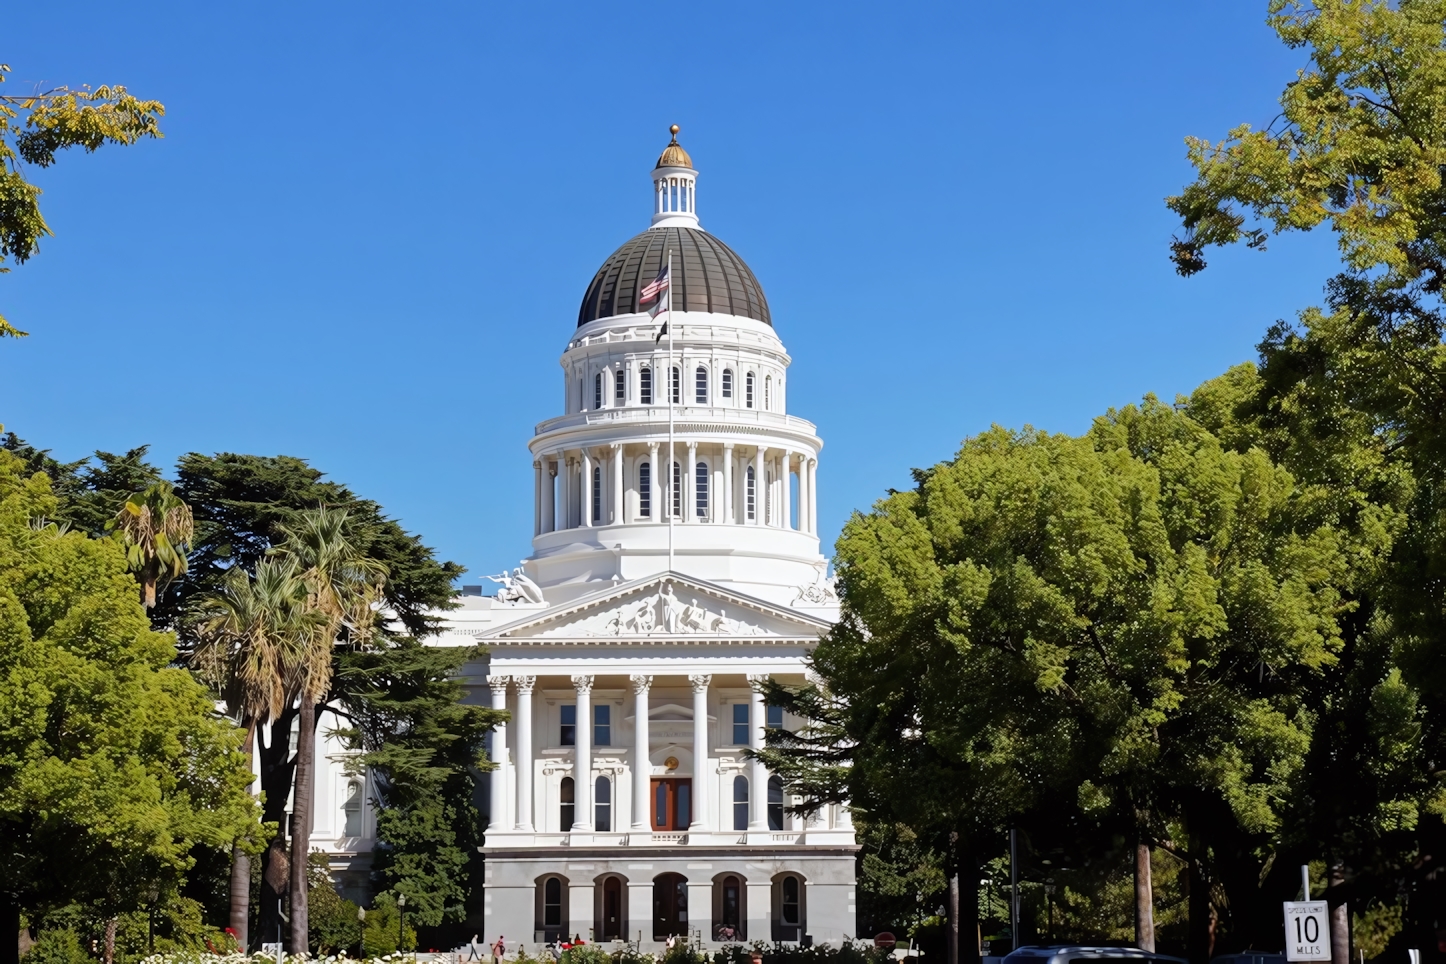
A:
[(674, 131), (673, 155)]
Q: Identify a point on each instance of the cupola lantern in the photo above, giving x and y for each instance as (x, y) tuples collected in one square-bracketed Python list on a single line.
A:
[(674, 187)]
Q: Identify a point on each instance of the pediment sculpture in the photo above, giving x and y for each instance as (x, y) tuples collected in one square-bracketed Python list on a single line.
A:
[(662, 613)]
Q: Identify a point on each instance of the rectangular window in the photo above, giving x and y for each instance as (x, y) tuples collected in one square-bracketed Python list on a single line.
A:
[(677, 387), (602, 725), (603, 805), (700, 387), (597, 495), (748, 390), (568, 737), (645, 489), (620, 386), (727, 383), (597, 391), (700, 485), (677, 491), (645, 386), (775, 717), (740, 724), (751, 496)]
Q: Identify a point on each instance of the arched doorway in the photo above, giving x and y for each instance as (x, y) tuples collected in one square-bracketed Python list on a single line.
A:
[(670, 906), (790, 908), (730, 909), (612, 916)]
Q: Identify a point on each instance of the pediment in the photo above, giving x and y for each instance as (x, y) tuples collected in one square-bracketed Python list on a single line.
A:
[(666, 607)]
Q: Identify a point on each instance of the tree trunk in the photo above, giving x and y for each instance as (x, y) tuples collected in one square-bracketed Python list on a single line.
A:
[(1144, 899), (241, 862), (277, 769), (301, 824), (952, 957), (1201, 929), (108, 952), (9, 929), (1340, 915), (968, 906)]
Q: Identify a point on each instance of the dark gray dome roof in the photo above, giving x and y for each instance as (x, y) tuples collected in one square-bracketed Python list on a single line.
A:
[(707, 276)]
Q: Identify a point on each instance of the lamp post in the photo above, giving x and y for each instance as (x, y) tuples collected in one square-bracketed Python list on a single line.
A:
[(361, 931), (401, 918)]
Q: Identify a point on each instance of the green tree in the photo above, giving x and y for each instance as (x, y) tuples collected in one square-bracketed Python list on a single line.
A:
[(33, 128), (251, 639), (343, 588), (156, 529), (113, 765)]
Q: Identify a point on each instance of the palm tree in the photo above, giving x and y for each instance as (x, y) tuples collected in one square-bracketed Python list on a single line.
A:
[(156, 528), (344, 587), (253, 636)]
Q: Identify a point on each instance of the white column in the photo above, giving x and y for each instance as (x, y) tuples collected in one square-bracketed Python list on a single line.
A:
[(498, 778), (642, 769), (813, 496), (757, 775), (786, 496), (727, 515), (760, 486), (690, 484), (536, 497), (617, 500), (549, 495), (523, 770), (656, 496), (702, 788), (585, 509), (582, 757), (564, 465)]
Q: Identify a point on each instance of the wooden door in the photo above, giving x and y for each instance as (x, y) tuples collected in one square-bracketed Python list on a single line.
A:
[(672, 804)]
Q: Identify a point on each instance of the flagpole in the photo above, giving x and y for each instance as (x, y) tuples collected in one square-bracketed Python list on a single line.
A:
[(673, 494)]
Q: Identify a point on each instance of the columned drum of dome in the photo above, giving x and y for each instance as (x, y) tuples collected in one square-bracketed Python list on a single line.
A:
[(707, 276)]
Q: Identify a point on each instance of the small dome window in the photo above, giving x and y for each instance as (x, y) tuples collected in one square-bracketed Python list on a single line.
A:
[(727, 383), (748, 390), (700, 386), (645, 386), (597, 391), (700, 493)]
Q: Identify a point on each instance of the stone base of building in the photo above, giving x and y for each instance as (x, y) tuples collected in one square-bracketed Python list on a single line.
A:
[(705, 895)]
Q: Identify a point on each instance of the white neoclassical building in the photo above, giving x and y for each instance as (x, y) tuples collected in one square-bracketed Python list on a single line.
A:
[(675, 563)]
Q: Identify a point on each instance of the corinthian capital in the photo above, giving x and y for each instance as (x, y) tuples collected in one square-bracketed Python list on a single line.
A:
[(641, 683), (499, 683), (583, 684), (700, 681)]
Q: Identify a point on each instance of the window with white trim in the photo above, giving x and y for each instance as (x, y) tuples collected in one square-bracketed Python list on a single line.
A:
[(677, 499), (597, 391), (700, 489), (677, 386), (596, 494), (700, 386), (645, 489), (727, 383), (645, 386), (748, 390), (620, 386), (750, 495)]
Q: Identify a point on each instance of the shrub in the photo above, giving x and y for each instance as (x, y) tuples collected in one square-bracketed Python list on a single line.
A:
[(57, 946)]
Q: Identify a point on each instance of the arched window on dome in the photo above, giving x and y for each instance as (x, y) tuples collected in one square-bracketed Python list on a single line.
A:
[(727, 383), (677, 386), (700, 386), (748, 390), (645, 489), (597, 499), (597, 391), (700, 493), (645, 386), (750, 495), (620, 386), (677, 499), (768, 393)]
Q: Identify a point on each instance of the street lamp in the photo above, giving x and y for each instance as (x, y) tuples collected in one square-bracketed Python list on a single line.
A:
[(361, 931), (401, 918)]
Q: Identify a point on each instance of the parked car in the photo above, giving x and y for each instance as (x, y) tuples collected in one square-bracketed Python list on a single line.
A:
[(1086, 954)]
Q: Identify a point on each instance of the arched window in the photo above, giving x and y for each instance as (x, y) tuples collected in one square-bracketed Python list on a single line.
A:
[(597, 391), (740, 803), (645, 488), (748, 390), (700, 496), (602, 820), (620, 386), (597, 495), (645, 385), (775, 803), (565, 815), (790, 905), (677, 490), (552, 902), (353, 810), (750, 495), (727, 383), (700, 386), (677, 386), (732, 918), (768, 393)]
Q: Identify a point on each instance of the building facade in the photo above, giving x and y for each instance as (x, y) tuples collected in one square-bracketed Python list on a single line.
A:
[(675, 564)]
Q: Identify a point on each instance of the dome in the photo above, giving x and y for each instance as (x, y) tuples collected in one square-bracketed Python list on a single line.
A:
[(707, 276), (674, 155)]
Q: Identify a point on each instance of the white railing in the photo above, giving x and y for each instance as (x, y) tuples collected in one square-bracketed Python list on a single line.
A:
[(632, 414)]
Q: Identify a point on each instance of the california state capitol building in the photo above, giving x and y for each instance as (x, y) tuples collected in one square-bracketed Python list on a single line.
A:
[(675, 563)]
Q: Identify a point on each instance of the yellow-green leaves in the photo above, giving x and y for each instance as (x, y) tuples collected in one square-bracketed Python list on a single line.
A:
[(33, 127)]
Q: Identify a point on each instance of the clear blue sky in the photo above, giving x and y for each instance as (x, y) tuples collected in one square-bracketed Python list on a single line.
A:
[(365, 235)]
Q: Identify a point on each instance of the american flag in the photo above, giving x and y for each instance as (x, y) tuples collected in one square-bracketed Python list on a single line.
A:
[(655, 287)]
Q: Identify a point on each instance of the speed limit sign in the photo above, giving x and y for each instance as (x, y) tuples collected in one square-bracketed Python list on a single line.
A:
[(1307, 933)]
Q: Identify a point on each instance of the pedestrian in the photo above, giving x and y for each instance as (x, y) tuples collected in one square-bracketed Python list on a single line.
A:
[(474, 949), (499, 948)]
